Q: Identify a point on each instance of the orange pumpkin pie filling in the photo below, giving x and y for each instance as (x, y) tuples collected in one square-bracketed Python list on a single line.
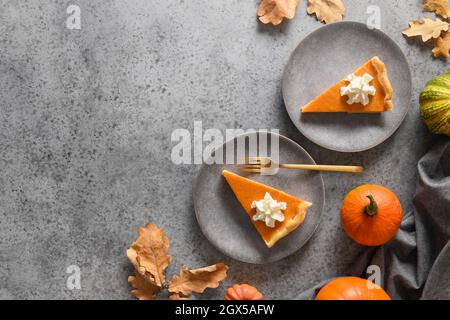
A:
[(247, 191), (332, 101)]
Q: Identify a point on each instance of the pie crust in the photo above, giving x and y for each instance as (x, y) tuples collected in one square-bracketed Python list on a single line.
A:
[(384, 81)]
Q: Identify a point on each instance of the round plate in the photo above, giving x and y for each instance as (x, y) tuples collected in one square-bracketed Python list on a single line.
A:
[(228, 227), (325, 57), (437, 286)]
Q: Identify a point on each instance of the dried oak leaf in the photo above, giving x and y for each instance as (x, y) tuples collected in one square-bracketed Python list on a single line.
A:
[(177, 296), (149, 254), (198, 280), (274, 11), (427, 28), (440, 7), (442, 46), (326, 11), (143, 289)]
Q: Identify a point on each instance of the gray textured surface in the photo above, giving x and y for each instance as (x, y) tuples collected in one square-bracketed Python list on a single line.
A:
[(353, 44), (224, 222), (86, 120)]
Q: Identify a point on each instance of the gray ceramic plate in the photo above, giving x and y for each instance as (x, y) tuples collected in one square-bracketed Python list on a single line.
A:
[(326, 56), (437, 286), (225, 223)]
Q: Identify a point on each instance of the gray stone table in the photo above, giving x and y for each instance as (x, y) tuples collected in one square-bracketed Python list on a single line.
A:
[(86, 118)]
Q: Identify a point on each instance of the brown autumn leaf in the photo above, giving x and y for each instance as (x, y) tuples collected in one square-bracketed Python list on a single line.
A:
[(442, 46), (274, 11), (143, 289), (150, 254), (440, 7), (177, 296), (327, 11), (198, 280), (426, 29)]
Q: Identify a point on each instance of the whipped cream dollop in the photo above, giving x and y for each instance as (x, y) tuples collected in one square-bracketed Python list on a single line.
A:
[(269, 210), (358, 89)]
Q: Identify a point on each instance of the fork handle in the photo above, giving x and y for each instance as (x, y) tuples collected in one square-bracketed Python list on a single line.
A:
[(318, 167)]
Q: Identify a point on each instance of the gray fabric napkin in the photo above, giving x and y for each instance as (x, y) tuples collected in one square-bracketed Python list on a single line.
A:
[(416, 263)]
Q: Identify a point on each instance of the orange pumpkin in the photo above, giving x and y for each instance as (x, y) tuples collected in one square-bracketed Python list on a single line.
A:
[(371, 215), (243, 292), (352, 288)]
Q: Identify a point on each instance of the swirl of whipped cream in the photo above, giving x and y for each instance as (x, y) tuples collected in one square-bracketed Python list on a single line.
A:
[(269, 210), (358, 89)]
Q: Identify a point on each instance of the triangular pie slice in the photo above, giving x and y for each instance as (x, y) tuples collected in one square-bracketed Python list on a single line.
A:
[(247, 191), (332, 101)]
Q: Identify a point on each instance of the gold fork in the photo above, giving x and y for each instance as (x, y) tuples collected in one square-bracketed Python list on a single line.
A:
[(261, 164)]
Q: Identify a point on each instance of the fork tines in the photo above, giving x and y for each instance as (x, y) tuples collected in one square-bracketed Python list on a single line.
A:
[(254, 164)]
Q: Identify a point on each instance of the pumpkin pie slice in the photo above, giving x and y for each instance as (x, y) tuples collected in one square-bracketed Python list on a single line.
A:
[(248, 192), (332, 101)]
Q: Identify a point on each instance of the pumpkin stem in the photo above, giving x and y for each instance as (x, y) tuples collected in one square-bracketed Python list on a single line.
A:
[(372, 208)]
